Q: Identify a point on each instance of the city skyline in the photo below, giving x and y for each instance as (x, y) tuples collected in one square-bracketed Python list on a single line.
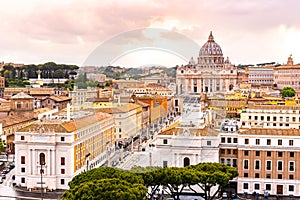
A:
[(249, 32)]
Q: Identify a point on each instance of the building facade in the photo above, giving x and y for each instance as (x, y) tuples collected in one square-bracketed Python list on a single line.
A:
[(61, 146), (287, 75)]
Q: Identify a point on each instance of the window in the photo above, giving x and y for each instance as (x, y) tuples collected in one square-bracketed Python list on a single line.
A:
[(234, 162), (22, 137), (42, 159), (23, 169), (257, 141), (246, 153), (291, 177), (279, 176), (279, 142), (165, 163), (280, 154), (228, 162), (269, 165), (120, 130), (268, 118), (268, 186), (62, 139), (22, 159), (222, 151), (262, 118), (279, 165), (257, 153), (292, 154), (228, 151), (62, 171), (222, 140), (235, 140), (229, 140), (18, 105), (268, 176), (269, 153), (274, 118), (62, 181), (62, 160), (256, 186), (234, 152), (208, 143), (222, 161), (246, 141), (268, 142), (165, 141), (246, 175), (22, 180), (246, 164), (256, 175), (255, 117), (291, 142), (246, 186), (291, 166), (291, 188), (257, 163)]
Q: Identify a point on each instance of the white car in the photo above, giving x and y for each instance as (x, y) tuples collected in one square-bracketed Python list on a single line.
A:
[(224, 195)]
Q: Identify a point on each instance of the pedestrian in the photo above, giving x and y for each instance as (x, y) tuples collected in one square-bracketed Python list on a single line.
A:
[(256, 196)]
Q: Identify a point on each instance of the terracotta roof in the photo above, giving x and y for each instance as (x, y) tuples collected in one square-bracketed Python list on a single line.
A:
[(125, 107), (273, 132), (68, 126), (193, 131), (11, 120), (21, 95), (41, 91), (142, 104), (58, 98)]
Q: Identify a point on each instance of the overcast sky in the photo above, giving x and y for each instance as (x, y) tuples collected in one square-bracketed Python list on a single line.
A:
[(67, 31)]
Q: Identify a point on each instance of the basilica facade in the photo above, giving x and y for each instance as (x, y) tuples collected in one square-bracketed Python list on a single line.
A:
[(210, 73)]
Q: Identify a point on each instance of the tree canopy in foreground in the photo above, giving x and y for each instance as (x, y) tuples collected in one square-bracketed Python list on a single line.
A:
[(142, 182)]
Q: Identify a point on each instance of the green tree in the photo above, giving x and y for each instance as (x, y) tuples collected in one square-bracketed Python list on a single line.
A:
[(106, 183), (107, 189), (105, 173), (288, 92), (209, 175), (152, 177), (2, 148)]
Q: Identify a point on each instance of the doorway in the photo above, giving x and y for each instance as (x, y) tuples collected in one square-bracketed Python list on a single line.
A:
[(279, 189)]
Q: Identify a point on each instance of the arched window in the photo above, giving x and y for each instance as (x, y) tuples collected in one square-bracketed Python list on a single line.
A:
[(186, 162), (42, 159)]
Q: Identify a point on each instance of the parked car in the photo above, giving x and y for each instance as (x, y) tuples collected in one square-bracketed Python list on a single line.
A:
[(11, 166), (224, 195), (3, 176)]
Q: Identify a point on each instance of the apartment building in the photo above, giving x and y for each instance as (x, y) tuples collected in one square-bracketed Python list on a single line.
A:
[(261, 76), (80, 96), (268, 161), (287, 75), (271, 116), (61, 146)]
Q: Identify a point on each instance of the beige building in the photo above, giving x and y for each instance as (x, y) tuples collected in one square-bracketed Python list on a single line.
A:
[(209, 73), (62, 145), (271, 116), (80, 96), (260, 76), (287, 75)]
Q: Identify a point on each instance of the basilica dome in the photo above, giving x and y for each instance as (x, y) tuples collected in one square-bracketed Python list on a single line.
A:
[(211, 48)]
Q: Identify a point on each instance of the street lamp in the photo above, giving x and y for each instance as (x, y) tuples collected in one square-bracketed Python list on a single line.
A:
[(42, 172)]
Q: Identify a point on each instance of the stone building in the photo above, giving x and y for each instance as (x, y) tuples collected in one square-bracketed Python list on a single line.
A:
[(210, 73)]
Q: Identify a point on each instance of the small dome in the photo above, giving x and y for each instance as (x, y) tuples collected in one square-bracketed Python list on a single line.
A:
[(210, 47)]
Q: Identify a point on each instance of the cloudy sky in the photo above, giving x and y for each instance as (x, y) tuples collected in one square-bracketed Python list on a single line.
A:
[(67, 31)]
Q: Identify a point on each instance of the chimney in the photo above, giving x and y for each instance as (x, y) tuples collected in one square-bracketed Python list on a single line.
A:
[(68, 112)]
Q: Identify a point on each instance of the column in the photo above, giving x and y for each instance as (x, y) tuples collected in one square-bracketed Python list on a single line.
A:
[(34, 162), (30, 161)]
